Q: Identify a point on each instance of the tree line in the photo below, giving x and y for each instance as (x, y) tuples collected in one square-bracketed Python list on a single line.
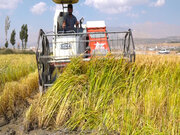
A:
[(23, 35)]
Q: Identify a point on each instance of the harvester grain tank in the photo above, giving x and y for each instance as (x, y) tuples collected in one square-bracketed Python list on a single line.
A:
[(88, 40)]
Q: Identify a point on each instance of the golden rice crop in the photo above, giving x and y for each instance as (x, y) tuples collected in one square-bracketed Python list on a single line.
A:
[(15, 94), (111, 96), (13, 67)]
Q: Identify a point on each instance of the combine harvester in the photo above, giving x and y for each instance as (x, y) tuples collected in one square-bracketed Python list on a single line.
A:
[(90, 39)]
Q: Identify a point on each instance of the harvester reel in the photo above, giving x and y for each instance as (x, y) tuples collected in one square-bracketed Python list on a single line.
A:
[(129, 48), (42, 59), (132, 57), (39, 66)]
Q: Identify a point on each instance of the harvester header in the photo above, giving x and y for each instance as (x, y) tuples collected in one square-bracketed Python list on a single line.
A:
[(66, 1)]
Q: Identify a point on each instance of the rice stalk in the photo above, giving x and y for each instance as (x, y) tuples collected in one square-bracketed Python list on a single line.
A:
[(111, 96)]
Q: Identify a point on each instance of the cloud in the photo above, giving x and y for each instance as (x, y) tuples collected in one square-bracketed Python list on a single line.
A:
[(120, 6), (159, 3), (137, 14), (114, 6), (39, 8), (143, 12), (57, 7), (133, 15), (9, 4)]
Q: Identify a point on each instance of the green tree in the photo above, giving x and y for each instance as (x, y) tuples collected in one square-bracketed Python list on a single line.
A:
[(13, 40), (22, 35), (6, 44), (26, 35), (7, 25)]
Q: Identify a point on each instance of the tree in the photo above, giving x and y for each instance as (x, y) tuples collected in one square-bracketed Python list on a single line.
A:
[(22, 35), (13, 40), (26, 35), (6, 44), (7, 25)]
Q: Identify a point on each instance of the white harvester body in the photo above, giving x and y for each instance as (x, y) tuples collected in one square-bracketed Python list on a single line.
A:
[(65, 47), (70, 45)]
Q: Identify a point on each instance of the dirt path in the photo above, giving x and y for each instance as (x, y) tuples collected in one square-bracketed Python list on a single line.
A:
[(15, 127)]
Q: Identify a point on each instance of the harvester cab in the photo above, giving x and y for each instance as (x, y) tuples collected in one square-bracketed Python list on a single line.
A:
[(56, 49)]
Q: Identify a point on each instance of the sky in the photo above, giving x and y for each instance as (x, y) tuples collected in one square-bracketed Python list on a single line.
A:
[(147, 18)]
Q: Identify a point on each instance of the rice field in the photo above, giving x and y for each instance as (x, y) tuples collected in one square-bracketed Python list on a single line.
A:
[(18, 80), (113, 96), (14, 67)]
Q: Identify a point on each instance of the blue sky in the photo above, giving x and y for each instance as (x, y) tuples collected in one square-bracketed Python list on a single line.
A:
[(147, 18)]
